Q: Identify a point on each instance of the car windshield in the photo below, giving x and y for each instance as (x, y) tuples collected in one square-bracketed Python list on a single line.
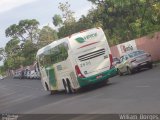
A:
[(135, 53)]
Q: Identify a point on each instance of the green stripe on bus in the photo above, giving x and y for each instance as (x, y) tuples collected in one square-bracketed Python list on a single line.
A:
[(92, 79), (51, 75)]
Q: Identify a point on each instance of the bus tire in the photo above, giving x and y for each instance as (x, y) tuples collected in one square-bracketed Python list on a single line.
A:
[(65, 86), (47, 88), (129, 71), (71, 90), (52, 92), (119, 72)]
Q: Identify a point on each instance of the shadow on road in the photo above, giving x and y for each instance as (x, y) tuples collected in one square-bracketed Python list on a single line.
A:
[(86, 89), (94, 87)]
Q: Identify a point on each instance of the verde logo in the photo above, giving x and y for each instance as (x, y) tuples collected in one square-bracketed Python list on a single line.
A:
[(83, 39)]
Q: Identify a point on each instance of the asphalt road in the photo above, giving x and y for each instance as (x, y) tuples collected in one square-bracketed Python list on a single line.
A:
[(137, 93)]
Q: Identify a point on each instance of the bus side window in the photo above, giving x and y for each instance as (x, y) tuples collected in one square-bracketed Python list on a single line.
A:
[(55, 55)]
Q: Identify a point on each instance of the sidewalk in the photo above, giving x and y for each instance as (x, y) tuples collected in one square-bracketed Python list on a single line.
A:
[(156, 64)]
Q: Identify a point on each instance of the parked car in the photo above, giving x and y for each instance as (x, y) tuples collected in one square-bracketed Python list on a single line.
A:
[(37, 76), (25, 74), (1, 77), (28, 74), (33, 74), (115, 61), (22, 74), (133, 61), (17, 75)]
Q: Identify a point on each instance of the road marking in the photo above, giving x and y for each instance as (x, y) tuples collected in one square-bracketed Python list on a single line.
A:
[(15, 101), (23, 86), (7, 94), (143, 86), (41, 108)]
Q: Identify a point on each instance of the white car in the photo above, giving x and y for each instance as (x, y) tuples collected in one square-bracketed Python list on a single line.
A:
[(33, 74), (1, 77), (17, 75), (115, 61), (37, 75), (28, 74), (134, 61)]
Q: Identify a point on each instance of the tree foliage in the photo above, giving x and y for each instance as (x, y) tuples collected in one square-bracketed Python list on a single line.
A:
[(57, 20), (20, 49), (2, 53), (124, 20), (46, 36), (121, 20), (11, 46), (24, 30), (67, 14)]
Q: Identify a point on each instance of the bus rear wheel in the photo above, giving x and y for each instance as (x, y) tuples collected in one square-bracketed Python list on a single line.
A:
[(67, 87), (119, 72), (52, 92), (47, 88), (71, 90)]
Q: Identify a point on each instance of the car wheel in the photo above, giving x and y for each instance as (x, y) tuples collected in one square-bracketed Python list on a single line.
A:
[(129, 71), (119, 72), (150, 66)]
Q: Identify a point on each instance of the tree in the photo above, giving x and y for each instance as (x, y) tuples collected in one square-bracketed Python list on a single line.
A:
[(2, 70), (125, 20), (22, 41), (46, 36), (11, 46), (67, 14), (2, 54), (29, 27), (57, 20), (15, 31), (29, 53), (25, 30), (13, 51)]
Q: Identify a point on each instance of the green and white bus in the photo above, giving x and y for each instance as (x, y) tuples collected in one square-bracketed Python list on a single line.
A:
[(75, 61)]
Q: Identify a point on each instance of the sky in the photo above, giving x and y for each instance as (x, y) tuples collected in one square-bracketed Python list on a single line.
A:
[(12, 11)]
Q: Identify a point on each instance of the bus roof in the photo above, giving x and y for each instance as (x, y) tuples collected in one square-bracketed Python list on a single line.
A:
[(57, 42), (51, 45)]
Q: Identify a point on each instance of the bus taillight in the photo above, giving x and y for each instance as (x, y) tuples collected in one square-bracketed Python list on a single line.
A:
[(111, 60), (78, 72)]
